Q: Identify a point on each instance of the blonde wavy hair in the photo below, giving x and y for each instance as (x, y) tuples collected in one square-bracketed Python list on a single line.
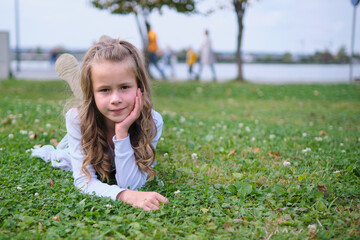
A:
[(92, 122)]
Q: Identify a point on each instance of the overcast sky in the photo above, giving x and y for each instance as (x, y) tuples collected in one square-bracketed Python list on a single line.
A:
[(270, 25)]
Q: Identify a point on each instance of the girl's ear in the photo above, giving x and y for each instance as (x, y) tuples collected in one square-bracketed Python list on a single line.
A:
[(67, 68)]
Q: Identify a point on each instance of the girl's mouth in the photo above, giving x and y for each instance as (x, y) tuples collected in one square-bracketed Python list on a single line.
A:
[(116, 111)]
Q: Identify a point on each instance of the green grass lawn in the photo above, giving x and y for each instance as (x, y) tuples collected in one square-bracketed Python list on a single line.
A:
[(236, 161)]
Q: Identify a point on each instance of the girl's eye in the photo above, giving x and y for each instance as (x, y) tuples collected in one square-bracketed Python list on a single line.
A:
[(104, 90), (124, 87)]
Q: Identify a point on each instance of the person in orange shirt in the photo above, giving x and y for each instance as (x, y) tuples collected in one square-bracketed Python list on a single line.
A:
[(153, 48), (191, 58)]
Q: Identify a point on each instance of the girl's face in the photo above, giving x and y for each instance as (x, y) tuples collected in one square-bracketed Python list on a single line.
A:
[(114, 87)]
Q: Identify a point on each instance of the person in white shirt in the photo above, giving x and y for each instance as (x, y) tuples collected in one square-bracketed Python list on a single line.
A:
[(207, 56), (114, 131)]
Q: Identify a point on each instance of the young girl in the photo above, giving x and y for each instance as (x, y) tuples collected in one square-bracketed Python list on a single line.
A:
[(114, 131)]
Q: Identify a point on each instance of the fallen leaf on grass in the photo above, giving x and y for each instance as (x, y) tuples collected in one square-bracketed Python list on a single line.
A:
[(322, 133), (54, 142), (51, 183), (232, 117), (5, 121), (255, 150), (204, 210), (33, 136), (228, 226), (273, 154), (232, 152), (312, 235), (56, 218), (322, 188)]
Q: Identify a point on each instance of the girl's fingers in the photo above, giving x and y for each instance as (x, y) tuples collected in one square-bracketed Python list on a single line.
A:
[(161, 198)]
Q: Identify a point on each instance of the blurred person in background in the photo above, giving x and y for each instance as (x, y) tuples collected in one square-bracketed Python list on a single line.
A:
[(153, 49), (207, 56)]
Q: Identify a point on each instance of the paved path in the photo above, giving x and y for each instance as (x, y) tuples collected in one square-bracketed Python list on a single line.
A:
[(36, 75)]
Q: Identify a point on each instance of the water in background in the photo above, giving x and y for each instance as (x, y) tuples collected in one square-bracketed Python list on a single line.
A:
[(256, 73)]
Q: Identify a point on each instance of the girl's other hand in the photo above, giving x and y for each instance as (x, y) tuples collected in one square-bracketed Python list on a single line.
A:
[(146, 200), (122, 128)]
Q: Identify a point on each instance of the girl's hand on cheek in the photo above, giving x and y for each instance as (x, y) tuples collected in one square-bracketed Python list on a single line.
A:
[(122, 128), (145, 200)]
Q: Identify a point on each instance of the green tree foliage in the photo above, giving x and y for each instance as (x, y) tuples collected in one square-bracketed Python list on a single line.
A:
[(287, 58), (133, 6), (143, 8), (341, 55)]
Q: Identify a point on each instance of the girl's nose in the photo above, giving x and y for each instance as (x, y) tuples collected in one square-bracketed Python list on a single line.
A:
[(116, 98)]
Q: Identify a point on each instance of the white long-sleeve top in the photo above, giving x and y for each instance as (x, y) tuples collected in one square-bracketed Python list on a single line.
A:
[(128, 175)]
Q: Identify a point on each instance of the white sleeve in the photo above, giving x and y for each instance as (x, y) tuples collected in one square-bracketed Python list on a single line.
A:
[(128, 174), (77, 156)]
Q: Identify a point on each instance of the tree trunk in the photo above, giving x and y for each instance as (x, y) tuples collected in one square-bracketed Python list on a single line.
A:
[(144, 37), (239, 6)]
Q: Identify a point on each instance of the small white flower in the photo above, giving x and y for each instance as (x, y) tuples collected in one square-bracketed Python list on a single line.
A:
[(247, 129), (37, 120), (174, 128), (28, 150), (331, 127), (11, 136), (256, 121), (306, 150), (182, 119), (161, 183), (45, 133), (201, 123), (343, 151), (319, 139), (36, 194), (311, 124), (358, 139), (304, 134), (48, 111), (108, 205), (341, 144), (221, 138), (241, 125), (1, 149), (312, 227), (48, 125), (271, 136), (181, 130), (166, 155), (177, 192), (24, 132), (194, 156), (336, 172), (19, 188), (13, 121), (253, 139), (286, 164), (224, 127)]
